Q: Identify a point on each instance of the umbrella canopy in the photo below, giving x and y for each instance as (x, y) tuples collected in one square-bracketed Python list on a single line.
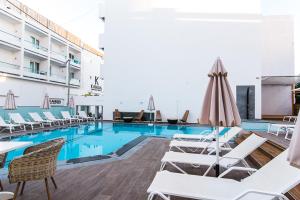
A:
[(294, 153), (10, 103), (46, 103), (219, 107), (71, 102), (151, 105)]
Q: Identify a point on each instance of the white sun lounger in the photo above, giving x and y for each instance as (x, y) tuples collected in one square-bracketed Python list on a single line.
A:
[(272, 180), (223, 142), (84, 116), (9, 126), (18, 119), (37, 118), (203, 136), (66, 115), (50, 116), (6, 195), (280, 128), (235, 156)]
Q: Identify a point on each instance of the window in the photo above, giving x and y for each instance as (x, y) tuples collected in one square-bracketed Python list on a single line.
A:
[(34, 67), (72, 75), (35, 42)]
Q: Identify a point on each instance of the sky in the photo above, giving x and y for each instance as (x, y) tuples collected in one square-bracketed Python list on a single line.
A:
[(81, 16)]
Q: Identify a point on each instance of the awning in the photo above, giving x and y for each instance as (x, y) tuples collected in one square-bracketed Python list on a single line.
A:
[(280, 80)]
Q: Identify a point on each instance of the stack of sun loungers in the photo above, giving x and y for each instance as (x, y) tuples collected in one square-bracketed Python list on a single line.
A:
[(271, 181), (286, 127)]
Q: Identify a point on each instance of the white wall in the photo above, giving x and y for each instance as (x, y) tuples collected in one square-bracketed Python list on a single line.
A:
[(278, 43), (276, 100), (169, 54)]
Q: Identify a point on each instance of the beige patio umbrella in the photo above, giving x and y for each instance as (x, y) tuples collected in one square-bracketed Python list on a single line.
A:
[(151, 107), (46, 103), (219, 106), (10, 103), (294, 152)]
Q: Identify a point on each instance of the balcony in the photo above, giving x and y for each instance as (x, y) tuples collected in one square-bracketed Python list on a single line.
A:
[(57, 78), (9, 68), (75, 63), (74, 81), (58, 56), (29, 72), (10, 39), (38, 49)]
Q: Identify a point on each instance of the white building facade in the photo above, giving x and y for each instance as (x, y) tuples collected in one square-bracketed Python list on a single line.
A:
[(33, 61), (163, 49)]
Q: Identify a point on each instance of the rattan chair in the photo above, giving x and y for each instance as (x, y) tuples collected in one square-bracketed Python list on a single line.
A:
[(2, 164), (37, 163)]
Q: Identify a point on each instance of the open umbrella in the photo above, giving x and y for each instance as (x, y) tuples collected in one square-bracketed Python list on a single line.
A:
[(294, 153), (151, 106), (46, 103), (219, 106)]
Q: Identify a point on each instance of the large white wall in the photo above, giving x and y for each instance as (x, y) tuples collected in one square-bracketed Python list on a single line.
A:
[(168, 54)]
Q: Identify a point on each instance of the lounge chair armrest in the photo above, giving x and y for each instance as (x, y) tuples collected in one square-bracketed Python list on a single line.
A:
[(272, 194), (248, 169)]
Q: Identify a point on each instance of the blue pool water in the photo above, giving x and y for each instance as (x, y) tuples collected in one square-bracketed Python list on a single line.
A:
[(103, 139)]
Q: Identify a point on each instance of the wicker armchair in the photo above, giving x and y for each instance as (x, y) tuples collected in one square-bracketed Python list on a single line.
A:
[(2, 163), (37, 163)]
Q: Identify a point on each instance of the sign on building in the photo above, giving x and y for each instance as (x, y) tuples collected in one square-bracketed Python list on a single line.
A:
[(56, 101)]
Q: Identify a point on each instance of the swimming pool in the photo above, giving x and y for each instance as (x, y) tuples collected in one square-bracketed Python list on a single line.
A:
[(104, 139)]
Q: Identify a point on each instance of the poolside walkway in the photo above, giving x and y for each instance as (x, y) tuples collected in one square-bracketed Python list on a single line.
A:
[(126, 179)]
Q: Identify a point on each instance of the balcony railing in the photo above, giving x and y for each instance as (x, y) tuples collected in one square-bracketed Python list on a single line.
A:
[(9, 68), (10, 38), (75, 62), (74, 81), (58, 78), (58, 56), (28, 71), (34, 47)]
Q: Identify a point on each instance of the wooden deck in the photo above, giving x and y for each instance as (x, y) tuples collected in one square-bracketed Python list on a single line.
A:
[(126, 179)]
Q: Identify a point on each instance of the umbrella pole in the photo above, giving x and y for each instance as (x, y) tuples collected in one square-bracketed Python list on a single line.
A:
[(217, 152)]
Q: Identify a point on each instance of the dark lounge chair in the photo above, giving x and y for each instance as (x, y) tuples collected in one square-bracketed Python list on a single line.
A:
[(158, 116), (117, 115), (139, 117), (185, 116)]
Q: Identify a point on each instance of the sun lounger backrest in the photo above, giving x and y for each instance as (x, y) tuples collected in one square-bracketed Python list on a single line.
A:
[(277, 176), (82, 114), (2, 122), (17, 118), (158, 116), (140, 115), (49, 115), (185, 116), (35, 116), (246, 147), (66, 114), (231, 133)]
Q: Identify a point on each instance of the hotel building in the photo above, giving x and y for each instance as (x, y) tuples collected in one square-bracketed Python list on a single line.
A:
[(34, 54)]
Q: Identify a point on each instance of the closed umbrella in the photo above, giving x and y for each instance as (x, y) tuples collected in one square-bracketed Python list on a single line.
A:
[(219, 106), (71, 103), (294, 153), (151, 107), (10, 103), (46, 103)]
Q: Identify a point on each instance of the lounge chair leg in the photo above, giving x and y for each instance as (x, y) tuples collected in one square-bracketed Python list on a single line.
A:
[(54, 183), (16, 191), (22, 189), (47, 189), (1, 187)]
